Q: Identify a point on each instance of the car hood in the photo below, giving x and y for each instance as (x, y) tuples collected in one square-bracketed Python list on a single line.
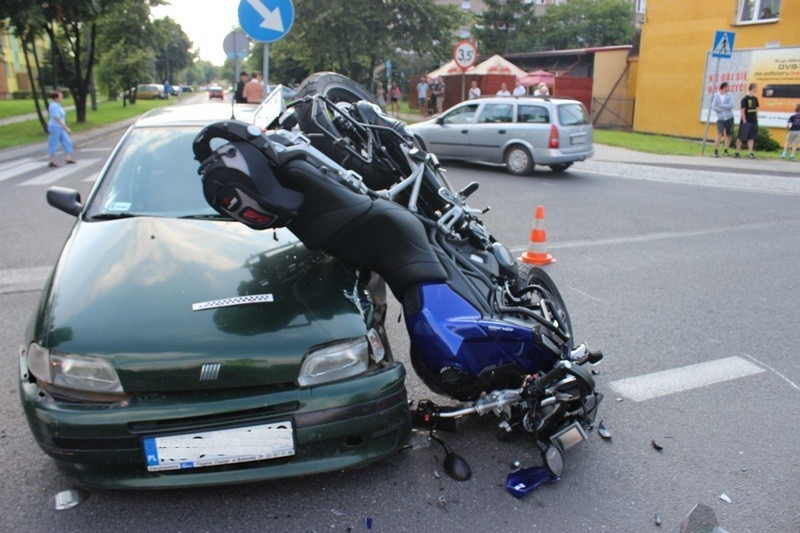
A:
[(124, 290)]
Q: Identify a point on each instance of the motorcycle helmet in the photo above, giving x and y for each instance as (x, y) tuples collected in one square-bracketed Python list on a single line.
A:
[(238, 180)]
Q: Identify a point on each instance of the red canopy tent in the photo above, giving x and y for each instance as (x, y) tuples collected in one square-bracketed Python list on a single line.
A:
[(537, 76)]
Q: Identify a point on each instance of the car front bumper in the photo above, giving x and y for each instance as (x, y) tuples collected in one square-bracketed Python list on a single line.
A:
[(335, 426)]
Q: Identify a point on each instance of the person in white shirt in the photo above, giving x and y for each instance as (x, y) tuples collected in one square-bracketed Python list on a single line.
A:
[(519, 90), (503, 90), (541, 90), (474, 90)]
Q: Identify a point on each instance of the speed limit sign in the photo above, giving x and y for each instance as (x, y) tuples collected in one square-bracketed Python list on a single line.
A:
[(465, 54)]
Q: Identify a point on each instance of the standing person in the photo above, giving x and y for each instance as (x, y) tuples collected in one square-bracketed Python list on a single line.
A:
[(433, 100), (253, 89), (58, 131), (722, 105), (238, 96), (440, 95), (394, 98), (474, 90), (380, 95), (541, 90), (422, 95), (748, 123), (503, 90), (519, 89), (167, 89), (793, 137)]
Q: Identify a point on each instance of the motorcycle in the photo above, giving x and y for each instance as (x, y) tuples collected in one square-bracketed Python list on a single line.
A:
[(348, 179)]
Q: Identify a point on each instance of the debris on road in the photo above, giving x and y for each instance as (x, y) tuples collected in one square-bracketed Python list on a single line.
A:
[(603, 431)]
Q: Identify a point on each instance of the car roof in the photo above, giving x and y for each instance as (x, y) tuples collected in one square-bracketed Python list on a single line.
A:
[(195, 114), (525, 99)]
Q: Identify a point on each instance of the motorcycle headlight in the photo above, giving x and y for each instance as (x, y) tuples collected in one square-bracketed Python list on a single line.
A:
[(76, 372), (331, 363)]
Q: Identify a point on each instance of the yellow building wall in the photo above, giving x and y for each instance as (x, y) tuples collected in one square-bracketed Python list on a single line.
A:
[(608, 67), (676, 37)]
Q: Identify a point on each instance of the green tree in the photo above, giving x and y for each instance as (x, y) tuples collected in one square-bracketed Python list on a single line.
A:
[(354, 37), (587, 23), (124, 38), (172, 47), (506, 26)]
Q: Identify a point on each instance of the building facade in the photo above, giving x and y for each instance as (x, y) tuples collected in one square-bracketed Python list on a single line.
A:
[(677, 73)]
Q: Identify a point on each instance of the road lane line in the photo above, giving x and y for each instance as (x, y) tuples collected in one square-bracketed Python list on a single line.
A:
[(649, 386), (60, 173)]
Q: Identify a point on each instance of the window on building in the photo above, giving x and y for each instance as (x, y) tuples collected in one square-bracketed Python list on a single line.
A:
[(641, 5), (755, 10)]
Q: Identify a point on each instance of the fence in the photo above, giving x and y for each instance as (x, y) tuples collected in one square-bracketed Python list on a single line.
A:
[(613, 112)]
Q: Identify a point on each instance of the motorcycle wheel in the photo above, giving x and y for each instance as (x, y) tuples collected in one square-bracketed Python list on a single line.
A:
[(339, 88), (533, 275)]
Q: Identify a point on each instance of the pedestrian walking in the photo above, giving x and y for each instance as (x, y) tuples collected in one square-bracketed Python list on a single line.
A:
[(394, 98), (58, 131), (793, 137), (748, 123), (722, 105)]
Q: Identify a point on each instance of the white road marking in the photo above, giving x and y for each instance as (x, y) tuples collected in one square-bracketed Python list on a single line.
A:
[(685, 378), (21, 167), (53, 175), (787, 380), (23, 279)]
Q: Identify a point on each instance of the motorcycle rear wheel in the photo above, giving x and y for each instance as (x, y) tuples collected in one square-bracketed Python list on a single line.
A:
[(532, 275), (338, 88)]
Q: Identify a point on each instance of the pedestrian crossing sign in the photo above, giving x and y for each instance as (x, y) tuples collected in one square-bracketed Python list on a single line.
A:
[(723, 44)]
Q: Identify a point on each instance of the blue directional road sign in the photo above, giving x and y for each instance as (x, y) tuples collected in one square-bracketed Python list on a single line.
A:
[(266, 21), (723, 44)]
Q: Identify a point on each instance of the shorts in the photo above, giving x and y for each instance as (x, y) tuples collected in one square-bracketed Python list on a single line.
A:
[(748, 131), (793, 138), (725, 126), (393, 99)]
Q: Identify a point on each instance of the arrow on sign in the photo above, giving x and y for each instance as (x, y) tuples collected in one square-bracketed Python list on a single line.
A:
[(272, 17)]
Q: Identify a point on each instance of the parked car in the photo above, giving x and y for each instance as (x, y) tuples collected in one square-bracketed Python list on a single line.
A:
[(186, 89), (215, 91), (173, 347), (519, 132), (150, 91)]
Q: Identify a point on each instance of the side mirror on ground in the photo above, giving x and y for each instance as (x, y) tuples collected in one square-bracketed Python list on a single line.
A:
[(66, 200)]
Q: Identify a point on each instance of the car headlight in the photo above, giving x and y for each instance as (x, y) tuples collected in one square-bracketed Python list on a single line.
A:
[(331, 363), (77, 372)]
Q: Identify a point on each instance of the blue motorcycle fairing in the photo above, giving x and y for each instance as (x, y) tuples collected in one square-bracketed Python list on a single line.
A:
[(454, 344)]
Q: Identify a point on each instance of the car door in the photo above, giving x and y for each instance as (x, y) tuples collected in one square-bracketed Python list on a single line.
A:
[(490, 132), (449, 137)]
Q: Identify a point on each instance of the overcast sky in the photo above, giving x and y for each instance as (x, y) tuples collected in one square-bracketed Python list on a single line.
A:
[(206, 23)]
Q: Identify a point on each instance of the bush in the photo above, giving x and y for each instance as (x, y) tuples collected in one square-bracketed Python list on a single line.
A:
[(765, 142)]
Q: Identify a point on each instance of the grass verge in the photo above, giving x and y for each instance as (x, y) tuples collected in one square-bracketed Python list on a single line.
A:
[(665, 145), (30, 131)]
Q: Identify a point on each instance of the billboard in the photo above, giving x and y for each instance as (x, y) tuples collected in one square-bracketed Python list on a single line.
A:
[(775, 70)]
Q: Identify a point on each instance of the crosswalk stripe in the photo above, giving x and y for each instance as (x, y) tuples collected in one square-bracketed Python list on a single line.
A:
[(681, 379), (51, 176), (19, 167)]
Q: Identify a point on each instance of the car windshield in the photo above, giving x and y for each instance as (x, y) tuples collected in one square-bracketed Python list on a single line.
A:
[(573, 114), (153, 174)]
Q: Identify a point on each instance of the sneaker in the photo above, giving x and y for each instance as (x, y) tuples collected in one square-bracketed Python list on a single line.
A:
[(716, 154), (726, 154), (736, 155), (791, 157), (751, 156), (783, 155)]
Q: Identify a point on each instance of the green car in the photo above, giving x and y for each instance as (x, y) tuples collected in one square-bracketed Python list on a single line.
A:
[(173, 347)]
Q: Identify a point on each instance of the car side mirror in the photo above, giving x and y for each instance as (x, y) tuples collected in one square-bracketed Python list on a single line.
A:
[(66, 200), (440, 121)]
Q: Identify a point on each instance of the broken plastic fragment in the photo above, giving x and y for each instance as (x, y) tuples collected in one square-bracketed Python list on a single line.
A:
[(656, 445), (724, 497), (603, 431), (595, 372), (67, 499), (523, 481), (337, 512), (515, 465), (368, 522), (658, 519), (436, 474)]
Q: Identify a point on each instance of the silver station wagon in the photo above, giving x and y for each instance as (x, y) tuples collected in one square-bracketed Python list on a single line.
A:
[(519, 132)]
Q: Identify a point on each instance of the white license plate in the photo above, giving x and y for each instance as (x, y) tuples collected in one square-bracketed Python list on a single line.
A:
[(225, 446), (578, 139)]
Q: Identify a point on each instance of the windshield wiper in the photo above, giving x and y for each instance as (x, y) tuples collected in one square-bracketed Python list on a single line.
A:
[(113, 216)]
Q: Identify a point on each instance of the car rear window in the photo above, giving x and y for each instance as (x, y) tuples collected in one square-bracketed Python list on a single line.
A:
[(533, 114), (573, 114)]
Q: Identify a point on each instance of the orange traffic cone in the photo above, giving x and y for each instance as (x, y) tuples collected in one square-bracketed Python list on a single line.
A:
[(536, 254)]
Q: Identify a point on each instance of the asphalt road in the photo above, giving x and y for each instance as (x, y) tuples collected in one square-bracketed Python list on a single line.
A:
[(662, 274)]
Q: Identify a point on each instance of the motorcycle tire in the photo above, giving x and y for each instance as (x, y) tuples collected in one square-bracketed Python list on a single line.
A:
[(533, 275), (339, 88)]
